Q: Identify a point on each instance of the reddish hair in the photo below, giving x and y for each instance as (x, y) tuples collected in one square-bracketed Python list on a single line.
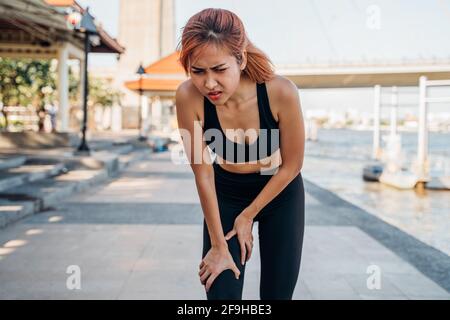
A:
[(224, 29)]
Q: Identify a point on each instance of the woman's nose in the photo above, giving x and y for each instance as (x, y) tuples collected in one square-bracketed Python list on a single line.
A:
[(210, 83)]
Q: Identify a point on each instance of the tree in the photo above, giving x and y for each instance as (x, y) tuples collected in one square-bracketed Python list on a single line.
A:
[(13, 84), (102, 96), (43, 84), (32, 83), (101, 93), (27, 82)]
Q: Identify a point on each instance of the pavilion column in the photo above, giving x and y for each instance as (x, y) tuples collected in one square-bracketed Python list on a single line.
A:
[(156, 113), (63, 89), (144, 115), (394, 111), (116, 118)]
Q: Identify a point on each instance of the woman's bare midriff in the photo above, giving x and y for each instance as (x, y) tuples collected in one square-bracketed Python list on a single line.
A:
[(268, 163)]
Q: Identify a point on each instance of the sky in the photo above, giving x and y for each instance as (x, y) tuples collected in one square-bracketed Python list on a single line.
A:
[(295, 31), (301, 31)]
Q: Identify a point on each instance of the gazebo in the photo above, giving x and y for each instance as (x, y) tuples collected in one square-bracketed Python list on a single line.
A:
[(157, 87), (43, 30)]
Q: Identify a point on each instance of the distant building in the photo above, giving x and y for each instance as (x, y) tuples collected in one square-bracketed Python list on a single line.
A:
[(147, 30)]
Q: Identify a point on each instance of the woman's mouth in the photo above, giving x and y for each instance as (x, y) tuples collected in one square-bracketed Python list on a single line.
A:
[(215, 95)]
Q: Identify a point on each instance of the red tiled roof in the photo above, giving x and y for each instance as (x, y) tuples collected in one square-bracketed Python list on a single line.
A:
[(167, 65), (62, 3), (154, 84), (170, 71)]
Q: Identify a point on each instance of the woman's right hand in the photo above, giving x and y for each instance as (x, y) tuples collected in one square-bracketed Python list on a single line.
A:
[(215, 261)]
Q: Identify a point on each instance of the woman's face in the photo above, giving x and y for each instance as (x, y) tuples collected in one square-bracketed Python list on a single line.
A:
[(214, 71)]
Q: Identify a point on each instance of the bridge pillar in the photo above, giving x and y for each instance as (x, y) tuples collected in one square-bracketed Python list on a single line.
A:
[(376, 152), (422, 147)]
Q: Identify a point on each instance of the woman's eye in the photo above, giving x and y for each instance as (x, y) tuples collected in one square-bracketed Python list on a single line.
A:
[(201, 71)]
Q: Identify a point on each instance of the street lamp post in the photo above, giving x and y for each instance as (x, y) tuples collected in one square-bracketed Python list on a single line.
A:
[(140, 71), (87, 27)]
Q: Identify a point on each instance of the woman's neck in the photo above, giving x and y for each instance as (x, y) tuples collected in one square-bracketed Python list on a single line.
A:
[(244, 93)]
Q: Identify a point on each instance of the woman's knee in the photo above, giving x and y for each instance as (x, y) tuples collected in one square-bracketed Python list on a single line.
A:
[(226, 287)]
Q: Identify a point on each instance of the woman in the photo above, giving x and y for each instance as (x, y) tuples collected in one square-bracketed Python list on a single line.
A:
[(243, 109)]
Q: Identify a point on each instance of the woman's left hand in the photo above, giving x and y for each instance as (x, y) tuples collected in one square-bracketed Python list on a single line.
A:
[(243, 229)]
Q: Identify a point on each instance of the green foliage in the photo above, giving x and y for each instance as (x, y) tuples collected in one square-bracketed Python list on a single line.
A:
[(101, 93), (28, 82), (25, 82)]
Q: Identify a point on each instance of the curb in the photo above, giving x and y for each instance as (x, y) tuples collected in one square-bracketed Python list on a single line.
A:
[(20, 178)]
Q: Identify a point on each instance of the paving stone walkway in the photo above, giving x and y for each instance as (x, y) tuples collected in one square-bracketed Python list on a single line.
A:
[(140, 236)]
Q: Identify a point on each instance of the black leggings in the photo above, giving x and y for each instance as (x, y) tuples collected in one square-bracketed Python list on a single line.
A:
[(280, 229)]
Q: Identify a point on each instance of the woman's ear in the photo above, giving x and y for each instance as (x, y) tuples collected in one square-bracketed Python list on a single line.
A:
[(244, 60)]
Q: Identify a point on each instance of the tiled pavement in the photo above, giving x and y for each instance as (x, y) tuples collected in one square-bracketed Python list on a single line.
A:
[(140, 237)]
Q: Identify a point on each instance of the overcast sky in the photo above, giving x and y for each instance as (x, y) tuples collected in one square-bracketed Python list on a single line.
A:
[(292, 31), (298, 31)]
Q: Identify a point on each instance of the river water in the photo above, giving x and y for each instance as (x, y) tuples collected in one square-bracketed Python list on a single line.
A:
[(336, 160)]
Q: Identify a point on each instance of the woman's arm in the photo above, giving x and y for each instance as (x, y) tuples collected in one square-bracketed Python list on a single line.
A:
[(203, 171), (292, 145)]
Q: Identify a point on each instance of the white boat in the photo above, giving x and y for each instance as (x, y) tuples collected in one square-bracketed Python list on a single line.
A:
[(400, 180), (438, 183)]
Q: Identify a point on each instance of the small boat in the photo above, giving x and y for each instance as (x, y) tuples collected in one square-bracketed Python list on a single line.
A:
[(400, 180), (438, 183), (372, 172)]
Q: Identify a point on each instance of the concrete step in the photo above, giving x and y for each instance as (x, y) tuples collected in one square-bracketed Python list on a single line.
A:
[(122, 148), (11, 161), (15, 210), (21, 201), (126, 159), (28, 172), (99, 145)]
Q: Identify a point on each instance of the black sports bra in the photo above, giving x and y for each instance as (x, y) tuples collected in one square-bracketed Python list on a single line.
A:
[(265, 145)]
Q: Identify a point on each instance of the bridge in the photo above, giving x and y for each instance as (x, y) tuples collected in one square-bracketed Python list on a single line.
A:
[(420, 73), (347, 74)]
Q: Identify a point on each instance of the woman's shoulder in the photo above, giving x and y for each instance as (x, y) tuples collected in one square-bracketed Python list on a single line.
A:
[(188, 95), (187, 92), (280, 87), (281, 92)]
